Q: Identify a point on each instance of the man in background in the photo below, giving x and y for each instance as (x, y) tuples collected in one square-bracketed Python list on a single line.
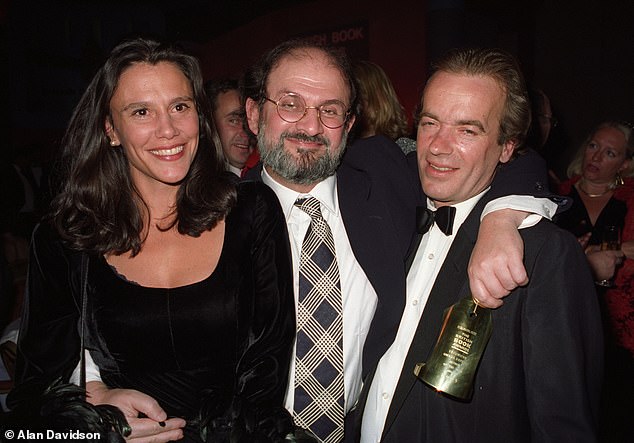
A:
[(229, 117)]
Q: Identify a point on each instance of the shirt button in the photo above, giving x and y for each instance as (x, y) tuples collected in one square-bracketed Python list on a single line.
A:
[(385, 396), (430, 256), (415, 302)]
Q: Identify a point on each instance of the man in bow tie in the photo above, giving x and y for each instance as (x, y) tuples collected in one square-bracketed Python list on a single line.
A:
[(539, 377)]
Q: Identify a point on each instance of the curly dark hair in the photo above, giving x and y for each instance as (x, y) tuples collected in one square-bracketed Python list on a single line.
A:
[(97, 208)]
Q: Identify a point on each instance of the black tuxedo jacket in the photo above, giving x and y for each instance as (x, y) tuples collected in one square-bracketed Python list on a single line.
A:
[(540, 376)]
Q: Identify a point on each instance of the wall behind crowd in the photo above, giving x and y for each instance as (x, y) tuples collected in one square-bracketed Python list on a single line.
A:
[(584, 60), (578, 51), (391, 34)]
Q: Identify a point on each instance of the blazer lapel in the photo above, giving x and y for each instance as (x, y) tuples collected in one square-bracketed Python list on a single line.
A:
[(371, 234)]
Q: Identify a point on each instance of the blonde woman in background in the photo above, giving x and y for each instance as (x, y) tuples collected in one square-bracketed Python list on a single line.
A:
[(379, 110), (603, 195)]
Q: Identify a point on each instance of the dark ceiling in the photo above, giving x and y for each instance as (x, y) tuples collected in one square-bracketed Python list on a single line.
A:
[(54, 46), (200, 20), (189, 20)]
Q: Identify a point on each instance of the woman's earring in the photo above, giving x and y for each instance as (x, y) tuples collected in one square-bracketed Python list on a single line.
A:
[(113, 143), (618, 180)]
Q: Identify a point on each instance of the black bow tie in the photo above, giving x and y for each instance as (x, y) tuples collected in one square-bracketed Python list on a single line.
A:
[(443, 217)]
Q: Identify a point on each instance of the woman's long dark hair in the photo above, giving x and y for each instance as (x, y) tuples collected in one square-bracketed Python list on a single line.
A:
[(98, 208)]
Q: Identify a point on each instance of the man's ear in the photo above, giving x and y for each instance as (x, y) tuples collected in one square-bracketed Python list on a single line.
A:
[(507, 151), (253, 115), (350, 122)]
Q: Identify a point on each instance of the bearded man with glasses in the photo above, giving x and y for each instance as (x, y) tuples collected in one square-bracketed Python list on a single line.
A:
[(350, 221)]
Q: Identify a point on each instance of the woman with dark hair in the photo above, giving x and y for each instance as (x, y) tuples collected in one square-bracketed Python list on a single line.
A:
[(189, 312)]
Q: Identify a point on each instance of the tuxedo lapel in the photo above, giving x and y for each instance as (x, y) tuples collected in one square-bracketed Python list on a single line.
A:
[(411, 253)]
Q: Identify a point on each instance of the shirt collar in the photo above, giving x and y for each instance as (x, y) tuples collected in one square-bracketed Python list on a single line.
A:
[(231, 168), (325, 191), (463, 209)]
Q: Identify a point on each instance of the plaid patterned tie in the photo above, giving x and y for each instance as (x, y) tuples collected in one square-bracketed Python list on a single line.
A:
[(319, 388)]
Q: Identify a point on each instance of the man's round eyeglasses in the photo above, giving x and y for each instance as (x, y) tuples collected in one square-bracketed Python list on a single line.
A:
[(292, 108)]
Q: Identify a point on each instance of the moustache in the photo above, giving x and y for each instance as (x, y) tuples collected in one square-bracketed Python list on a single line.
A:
[(306, 138)]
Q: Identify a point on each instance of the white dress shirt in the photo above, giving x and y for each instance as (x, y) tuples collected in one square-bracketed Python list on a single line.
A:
[(359, 297)]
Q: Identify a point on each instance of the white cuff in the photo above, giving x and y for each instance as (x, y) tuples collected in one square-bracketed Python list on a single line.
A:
[(92, 370), (538, 208)]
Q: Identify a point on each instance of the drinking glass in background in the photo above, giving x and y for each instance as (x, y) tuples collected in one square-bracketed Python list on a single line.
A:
[(610, 241)]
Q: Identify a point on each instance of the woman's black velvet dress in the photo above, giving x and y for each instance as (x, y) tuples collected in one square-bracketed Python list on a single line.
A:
[(216, 351)]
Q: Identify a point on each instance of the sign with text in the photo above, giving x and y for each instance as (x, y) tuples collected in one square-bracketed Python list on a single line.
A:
[(352, 38)]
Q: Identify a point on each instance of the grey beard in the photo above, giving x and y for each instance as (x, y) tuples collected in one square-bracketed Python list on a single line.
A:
[(309, 168)]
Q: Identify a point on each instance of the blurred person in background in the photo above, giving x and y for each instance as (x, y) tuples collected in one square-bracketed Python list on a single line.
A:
[(379, 110)]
